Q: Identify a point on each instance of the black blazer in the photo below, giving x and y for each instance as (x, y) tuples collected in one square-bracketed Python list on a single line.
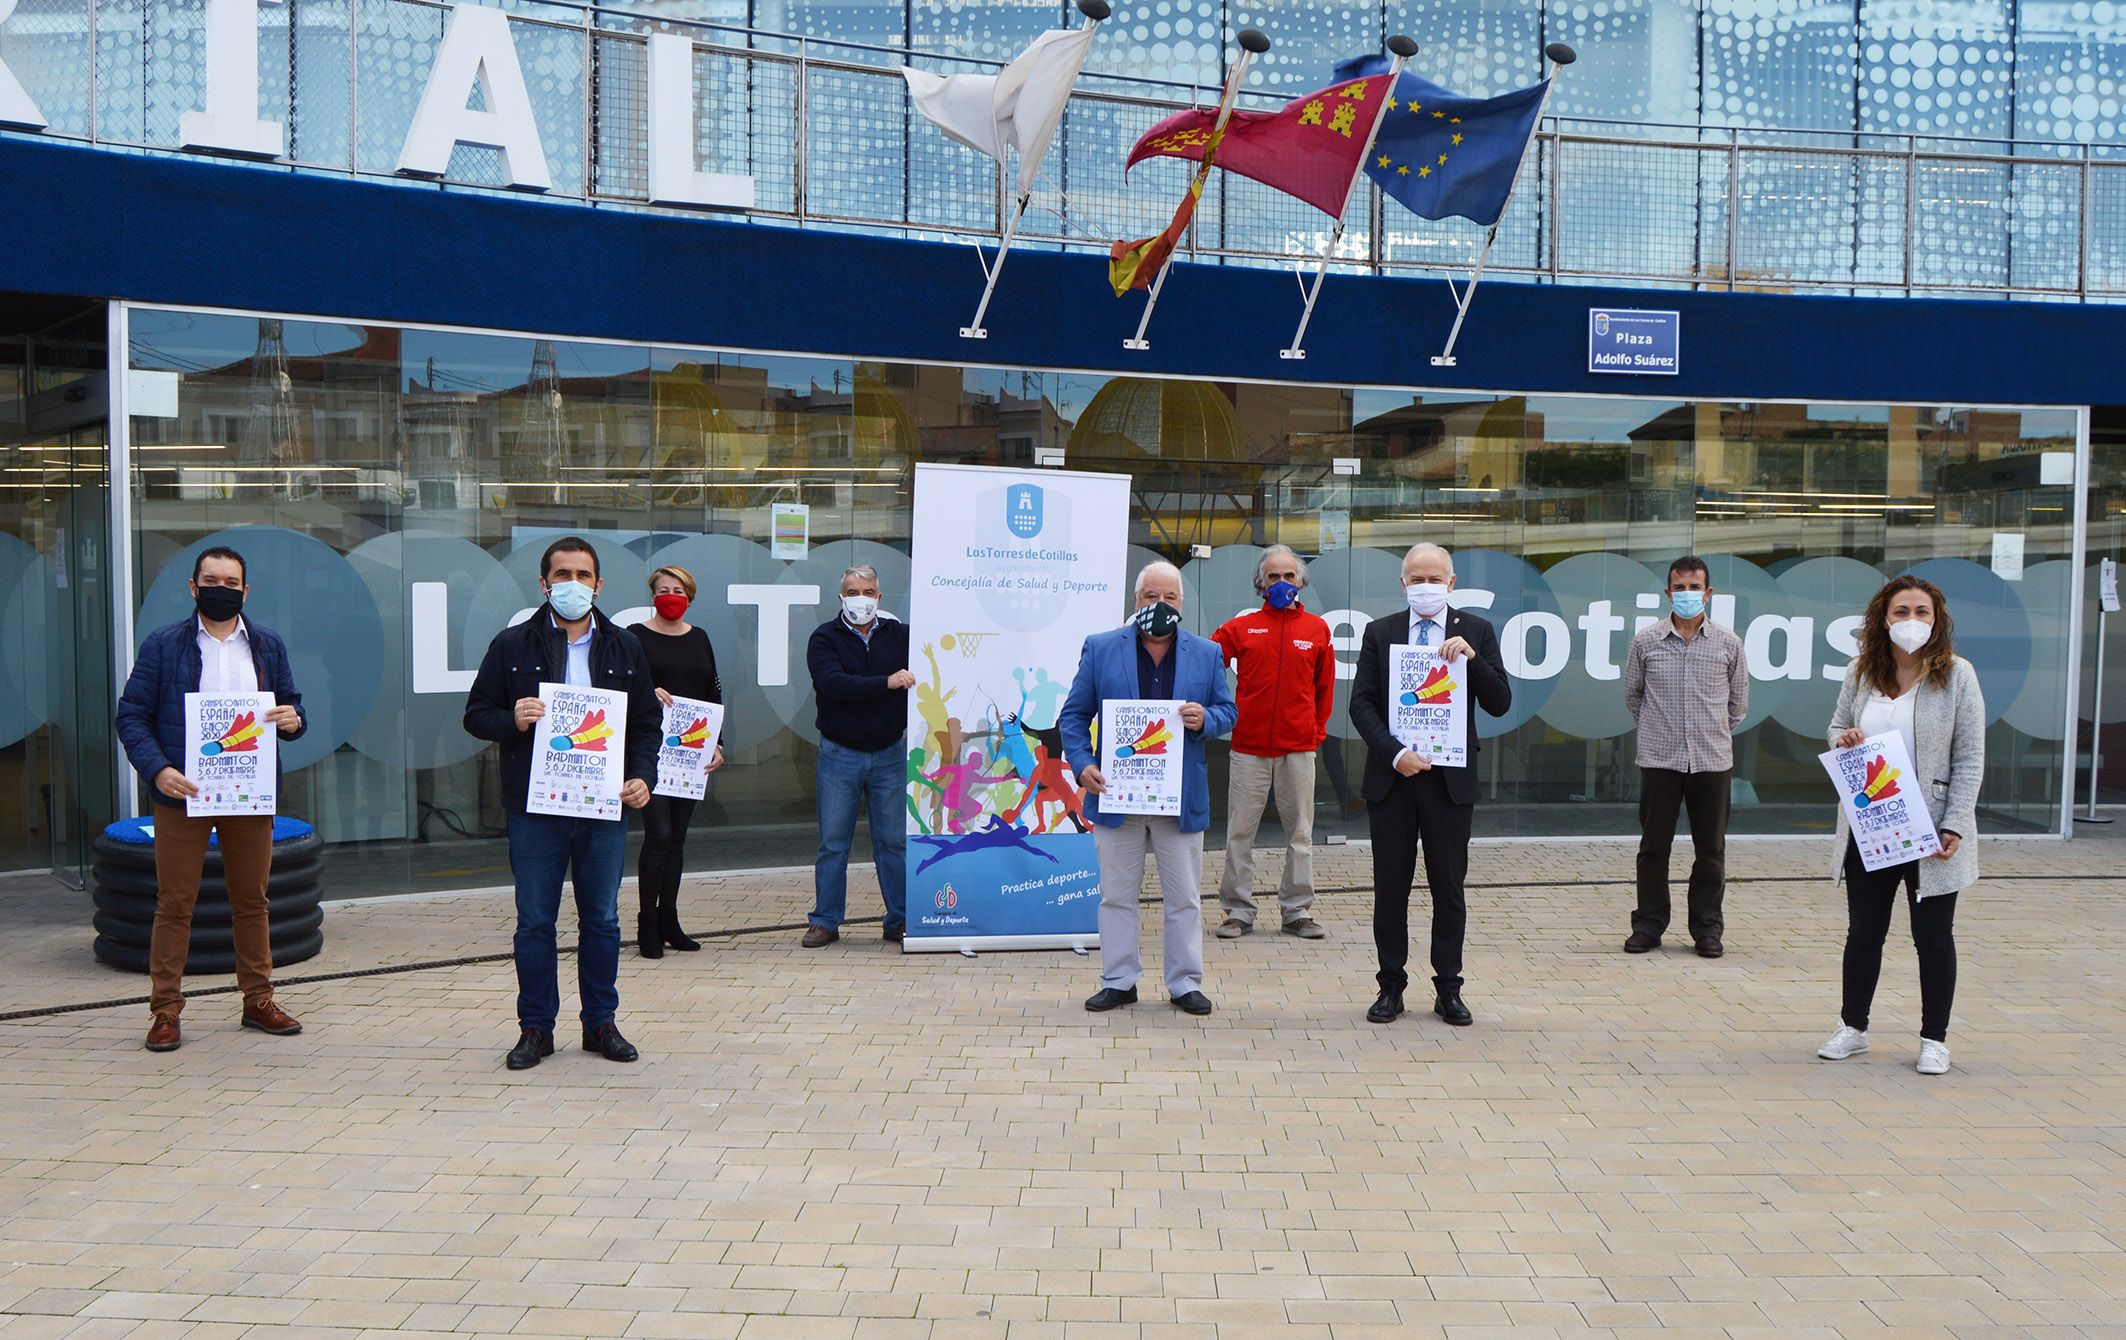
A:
[(1487, 678)]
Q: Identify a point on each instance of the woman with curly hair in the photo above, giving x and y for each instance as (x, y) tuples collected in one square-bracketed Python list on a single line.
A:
[(1909, 679)]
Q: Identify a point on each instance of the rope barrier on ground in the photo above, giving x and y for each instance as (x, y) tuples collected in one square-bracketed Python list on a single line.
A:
[(427, 965)]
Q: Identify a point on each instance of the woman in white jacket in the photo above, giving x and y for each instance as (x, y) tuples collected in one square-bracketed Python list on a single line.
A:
[(1908, 678)]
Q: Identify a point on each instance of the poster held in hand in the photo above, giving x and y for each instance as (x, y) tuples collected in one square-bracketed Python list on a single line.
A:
[(231, 754), (1428, 708), (691, 729), (1879, 789), (579, 753), (1140, 755)]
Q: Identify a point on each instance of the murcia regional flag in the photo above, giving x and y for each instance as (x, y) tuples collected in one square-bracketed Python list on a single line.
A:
[(1020, 106)]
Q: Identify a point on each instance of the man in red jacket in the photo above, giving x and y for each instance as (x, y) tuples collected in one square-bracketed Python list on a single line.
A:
[(1287, 688)]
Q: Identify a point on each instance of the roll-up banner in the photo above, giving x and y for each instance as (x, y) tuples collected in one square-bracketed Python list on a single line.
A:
[(1010, 571)]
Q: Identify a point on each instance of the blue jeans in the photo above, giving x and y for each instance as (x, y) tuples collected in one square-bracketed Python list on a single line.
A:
[(542, 848), (880, 780)]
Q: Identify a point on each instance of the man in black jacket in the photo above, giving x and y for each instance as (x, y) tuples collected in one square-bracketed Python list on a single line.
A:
[(860, 681), (566, 641), (1408, 799)]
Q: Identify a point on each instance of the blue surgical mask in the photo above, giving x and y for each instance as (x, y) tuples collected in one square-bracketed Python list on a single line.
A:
[(571, 600), (1689, 604), (1282, 595)]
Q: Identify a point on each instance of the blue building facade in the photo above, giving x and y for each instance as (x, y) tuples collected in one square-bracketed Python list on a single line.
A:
[(1891, 238)]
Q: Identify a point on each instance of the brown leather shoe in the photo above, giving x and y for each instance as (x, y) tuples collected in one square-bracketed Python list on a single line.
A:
[(163, 1034), (817, 936), (271, 1018)]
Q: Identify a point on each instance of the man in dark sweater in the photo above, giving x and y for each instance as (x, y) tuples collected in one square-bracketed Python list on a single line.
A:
[(860, 680), (566, 641)]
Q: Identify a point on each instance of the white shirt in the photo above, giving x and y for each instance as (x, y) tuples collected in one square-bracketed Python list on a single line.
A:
[(1880, 715), (578, 672), (226, 666)]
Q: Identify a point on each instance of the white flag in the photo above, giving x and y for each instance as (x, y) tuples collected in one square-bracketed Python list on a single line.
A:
[(1021, 106)]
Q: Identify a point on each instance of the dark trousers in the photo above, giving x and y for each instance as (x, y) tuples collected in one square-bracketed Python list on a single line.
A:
[(1704, 797), (1870, 898), (664, 842), (1416, 814)]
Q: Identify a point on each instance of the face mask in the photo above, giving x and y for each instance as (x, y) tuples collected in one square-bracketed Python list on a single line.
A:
[(1689, 604), (859, 610), (571, 600), (671, 605), (1911, 634), (1426, 599), (1158, 620), (1282, 595), (219, 604)]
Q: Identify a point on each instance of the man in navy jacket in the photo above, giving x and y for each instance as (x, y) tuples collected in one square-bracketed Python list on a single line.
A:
[(216, 650), (860, 682), (1151, 656), (566, 641)]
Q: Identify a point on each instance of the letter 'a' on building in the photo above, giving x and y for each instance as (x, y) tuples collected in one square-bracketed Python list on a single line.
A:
[(359, 357)]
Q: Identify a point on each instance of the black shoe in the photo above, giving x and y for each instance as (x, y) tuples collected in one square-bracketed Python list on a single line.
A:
[(895, 934), (1642, 943), (1449, 1007), (607, 1042), (535, 1044), (1193, 1002), (1108, 998), (668, 931), (647, 939), (1386, 1009), (1709, 946)]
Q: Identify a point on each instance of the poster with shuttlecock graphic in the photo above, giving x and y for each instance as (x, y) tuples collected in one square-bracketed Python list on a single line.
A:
[(231, 754), (1880, 794), (579, 753), (1140, 756), (688, 743), (1428, 705)]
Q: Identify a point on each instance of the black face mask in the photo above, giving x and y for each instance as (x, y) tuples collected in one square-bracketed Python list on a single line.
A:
[(219, 604), (1158, 620)]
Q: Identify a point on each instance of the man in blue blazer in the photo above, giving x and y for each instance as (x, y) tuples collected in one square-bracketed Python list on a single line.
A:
[(1151, 656), (213, 650)]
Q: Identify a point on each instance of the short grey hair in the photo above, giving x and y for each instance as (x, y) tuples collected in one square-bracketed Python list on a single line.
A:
[(1278, 551), (1423, 547), (1156, 568), (863, 572)]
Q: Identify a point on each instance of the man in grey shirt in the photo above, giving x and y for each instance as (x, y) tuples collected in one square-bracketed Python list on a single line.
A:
[(1687, 684)]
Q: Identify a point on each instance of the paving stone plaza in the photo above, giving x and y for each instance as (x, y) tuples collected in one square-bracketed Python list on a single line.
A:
[(854, 1144)]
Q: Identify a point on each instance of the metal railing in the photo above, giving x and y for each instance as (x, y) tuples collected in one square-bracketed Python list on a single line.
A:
[(827, 134)]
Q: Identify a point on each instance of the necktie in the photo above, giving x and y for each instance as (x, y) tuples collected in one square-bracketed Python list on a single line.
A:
[(1424, 632)]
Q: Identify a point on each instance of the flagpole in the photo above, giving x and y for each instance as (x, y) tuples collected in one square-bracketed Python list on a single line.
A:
[(1560, 56), (1252, 44), (1094, 11), (1403, 49)]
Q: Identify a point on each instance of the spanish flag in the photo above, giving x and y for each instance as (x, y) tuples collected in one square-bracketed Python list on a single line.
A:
[(1136, 264)]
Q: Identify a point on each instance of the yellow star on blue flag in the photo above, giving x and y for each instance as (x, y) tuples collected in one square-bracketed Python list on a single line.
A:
[(1459, 155)]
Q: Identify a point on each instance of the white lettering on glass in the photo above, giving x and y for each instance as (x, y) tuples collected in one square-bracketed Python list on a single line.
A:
[(230, 122), (674, 180), (477, 49)]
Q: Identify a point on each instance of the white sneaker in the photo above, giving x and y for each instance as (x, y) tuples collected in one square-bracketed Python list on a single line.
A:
[(1844, 1043), (1933, 1057)]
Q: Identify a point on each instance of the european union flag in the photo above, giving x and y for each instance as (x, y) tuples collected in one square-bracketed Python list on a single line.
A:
[(1440, 154)]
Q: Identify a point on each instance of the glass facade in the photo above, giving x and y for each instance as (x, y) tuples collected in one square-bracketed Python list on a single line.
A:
[(394, 486)]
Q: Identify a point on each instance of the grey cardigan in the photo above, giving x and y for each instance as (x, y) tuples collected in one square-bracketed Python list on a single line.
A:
[(1949, 736)]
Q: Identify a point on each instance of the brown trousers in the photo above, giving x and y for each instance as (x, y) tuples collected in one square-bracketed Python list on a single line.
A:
[(246, 862)]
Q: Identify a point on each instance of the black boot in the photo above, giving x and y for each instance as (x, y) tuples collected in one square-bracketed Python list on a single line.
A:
[(668, 923), (647, 937)]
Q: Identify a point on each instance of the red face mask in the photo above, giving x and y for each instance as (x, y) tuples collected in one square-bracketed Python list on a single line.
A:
[(671, 605)]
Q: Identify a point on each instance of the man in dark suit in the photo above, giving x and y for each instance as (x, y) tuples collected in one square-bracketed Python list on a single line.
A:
[(1410, 801)]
